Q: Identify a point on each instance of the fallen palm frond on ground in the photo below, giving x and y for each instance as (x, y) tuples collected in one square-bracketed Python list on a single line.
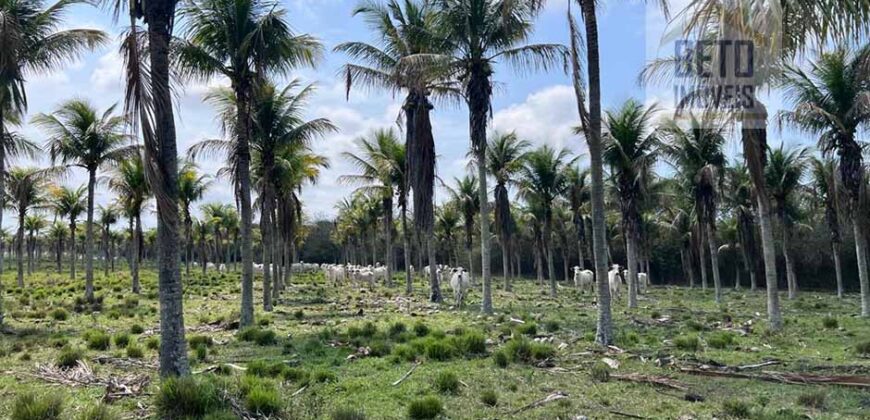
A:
[(555, 396), (650, 379), (125, 363), (82, 375), (785, 377)]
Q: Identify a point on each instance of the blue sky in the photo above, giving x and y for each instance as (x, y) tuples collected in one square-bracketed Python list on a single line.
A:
[(540, 107)]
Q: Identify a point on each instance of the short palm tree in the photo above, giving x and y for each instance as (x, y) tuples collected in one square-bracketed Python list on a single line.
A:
[(70, 203), (244, 41), (504, 159), (25, 191), (127, 179), (542, 180), (695, 150), (108, 216), (191, 187), (57, 232), (33, 224), (830, 100), (466, 196), (406, 29), (479, 33), (631, 149), (826, 186), (81, 136), (784, 170)]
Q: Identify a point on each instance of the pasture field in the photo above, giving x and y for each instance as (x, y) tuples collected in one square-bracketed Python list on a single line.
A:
[(338, 352)]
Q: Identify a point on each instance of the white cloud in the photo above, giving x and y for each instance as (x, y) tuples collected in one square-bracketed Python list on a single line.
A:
[(108, 73), (547, 116)]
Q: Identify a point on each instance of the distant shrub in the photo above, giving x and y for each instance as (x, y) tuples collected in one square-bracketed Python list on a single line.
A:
[(600, 372), (99, 412), (736, 409), (489, 398), (347, 414), (297, 375), (655, 315), (830, 322), (264, 400), (201, 352), (529, 329), (136, 329), (424, 408), (695, 325), (720, 339), (397, 329), (369, 330), (200, 340), (440, 350), (323, 375), (471, 343), (59, 314), (379, 348), (97, 340), (500, 358), (421, 329), (522, 350), (687, 342), (405, 352), (121, 340), (30, 406), (446, 382), (265, 369), (259, 336), (152, 343), (187, 396), (134, 352), (812, 399), (264, 322), (69, 357), (552, 325)]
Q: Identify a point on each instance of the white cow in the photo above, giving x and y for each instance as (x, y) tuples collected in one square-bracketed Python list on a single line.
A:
[(222, 268), (459, 283), (642, 280), (614, 279), (584, 279), (380, 273)]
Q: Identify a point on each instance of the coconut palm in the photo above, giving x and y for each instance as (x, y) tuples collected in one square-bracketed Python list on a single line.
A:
[(504, 159), (695, 150), (128, 180), (830, 100), (577, 195), (244, 41), (479, 33), (406, 29), (25, 191), (81, 136), (33, 224), (784, 170), (191, 187), (740, 199), (57, 232), (827, 188), (466, 196), (69, 203), (447, 220), (542, 180), (630, 151), (108, 216)]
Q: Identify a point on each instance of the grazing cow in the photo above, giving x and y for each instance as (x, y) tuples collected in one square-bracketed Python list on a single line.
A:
[(459, 283), (614, 280), (584, 279), (222, 268), (642, 280), (210, 265), (258, 268), (380, 273)]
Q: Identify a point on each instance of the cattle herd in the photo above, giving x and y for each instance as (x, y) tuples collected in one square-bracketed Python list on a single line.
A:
[(585, 279), (369, 275)]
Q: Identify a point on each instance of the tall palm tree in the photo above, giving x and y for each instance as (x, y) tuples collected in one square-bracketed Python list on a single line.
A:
[(244, 41), (108, 216), (542, 180), (129, 180), (479, 33), (81, 136), (830, 100), (33, 224), (504, 158), (783, 172), (57, 233), (631, 150), (33, 43), (69, 203), (740, 198), (696, 152), (827, 187), (577, 195), (465, 194), (24, 192), (406, 29), (447, 220), (191, 187), (381, 174)]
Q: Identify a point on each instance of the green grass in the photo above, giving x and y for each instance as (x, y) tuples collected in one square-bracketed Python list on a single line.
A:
[(343, 348)]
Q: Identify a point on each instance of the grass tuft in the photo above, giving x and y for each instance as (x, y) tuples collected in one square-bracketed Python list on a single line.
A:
[(30, 406), (428, 407)]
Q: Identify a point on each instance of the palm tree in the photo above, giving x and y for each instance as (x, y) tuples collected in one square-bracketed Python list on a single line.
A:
[(826, 187), (696, 152), (129, 181), (70, 203), (740, 198), (381, 174), (630, 151), (479, 33), (244, 41), (32, 44), (542, 180), (405, 30), (108, 216), (57, 232), (783, 172), (201, 231), (577, 195), (467, 197), (191, 187), (830, 101), (504, 159), (33, 224), (25, 191), (446, 224), (81, 136)]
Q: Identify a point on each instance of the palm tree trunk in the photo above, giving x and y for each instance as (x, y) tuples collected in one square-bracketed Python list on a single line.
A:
[(388, 238), (564, 253), (137, 235), (861, 250), (789, 264), (266, 232), (702, 254), (736, 277), (631, 256), (406, 245), (754, 134), (89, 238), (548, 248), (188, 240), (243, 124), (20, 245), (72, 249), (604, 329), (478, 94), (434, 283), (59, 255), (714, 261), (505, 262), (835, 251), (105, 246)]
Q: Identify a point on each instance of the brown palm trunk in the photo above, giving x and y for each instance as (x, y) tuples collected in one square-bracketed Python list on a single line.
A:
[(243, 100), (72, 249), (134, 258), (266, 232), (89, 237), (388, 238), (548, 249), (406, 245), (714, 261), (835, 251), (789, 263)]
